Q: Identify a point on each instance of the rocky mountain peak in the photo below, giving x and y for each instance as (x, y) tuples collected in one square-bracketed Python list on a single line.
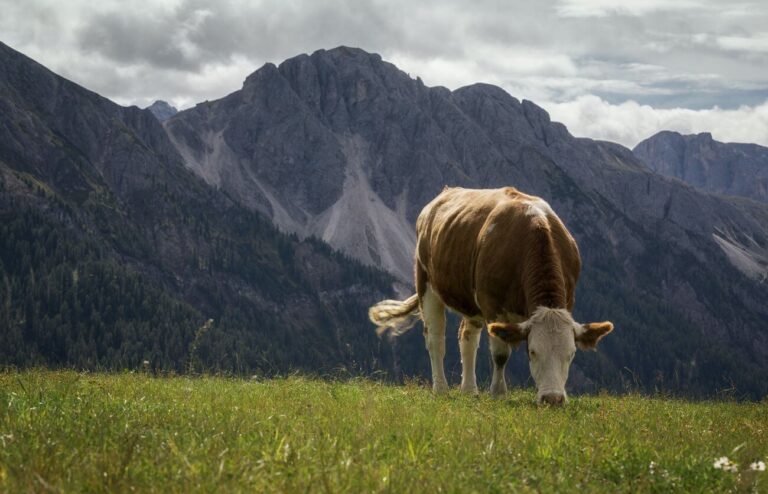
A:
[(264, 72), (348, 54), (162, 110), (711, 165), (485, 90)]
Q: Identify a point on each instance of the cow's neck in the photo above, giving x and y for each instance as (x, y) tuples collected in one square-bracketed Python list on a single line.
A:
[(541, 296), (543, 281)]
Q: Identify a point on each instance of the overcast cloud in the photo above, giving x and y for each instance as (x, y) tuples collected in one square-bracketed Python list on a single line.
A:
[(616, 70)]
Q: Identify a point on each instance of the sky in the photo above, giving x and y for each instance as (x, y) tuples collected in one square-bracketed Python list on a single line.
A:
[(615, 70)]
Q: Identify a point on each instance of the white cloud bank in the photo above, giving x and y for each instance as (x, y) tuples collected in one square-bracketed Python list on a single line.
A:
[(628, 123)]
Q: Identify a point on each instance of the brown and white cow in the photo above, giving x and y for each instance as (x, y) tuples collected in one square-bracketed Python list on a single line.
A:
[(502, 258)]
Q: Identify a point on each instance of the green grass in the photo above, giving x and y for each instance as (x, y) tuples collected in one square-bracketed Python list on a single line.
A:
[(72, 432)]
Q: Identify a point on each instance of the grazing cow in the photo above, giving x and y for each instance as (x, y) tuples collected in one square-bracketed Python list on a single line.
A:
[(504, 259)]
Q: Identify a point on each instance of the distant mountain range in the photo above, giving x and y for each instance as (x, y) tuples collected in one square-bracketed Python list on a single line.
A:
[(345, 148), (730, 169)]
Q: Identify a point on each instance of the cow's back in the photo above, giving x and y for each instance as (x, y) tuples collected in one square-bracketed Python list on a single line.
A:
[(475, 247), (447, 229)]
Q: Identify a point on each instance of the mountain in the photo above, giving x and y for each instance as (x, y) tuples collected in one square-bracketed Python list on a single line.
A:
[(124, 240), (162, 110), (723, 168), (343, 146), (113, 253)]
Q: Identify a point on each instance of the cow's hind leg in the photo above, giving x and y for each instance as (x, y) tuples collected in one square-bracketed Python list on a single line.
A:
[(500, 351), (433, 315), (469, 338)]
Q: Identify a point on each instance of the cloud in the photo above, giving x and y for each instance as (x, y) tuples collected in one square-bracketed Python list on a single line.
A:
[(538, 70), (758, 43), (142, 37), (629, 122), (604, 8)]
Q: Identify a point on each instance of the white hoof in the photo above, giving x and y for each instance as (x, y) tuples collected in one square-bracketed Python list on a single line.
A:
[(470, 390), (440, 388), (499, 391)]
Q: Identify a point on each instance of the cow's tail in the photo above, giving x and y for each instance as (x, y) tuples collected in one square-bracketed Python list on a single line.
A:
[(395, 316)]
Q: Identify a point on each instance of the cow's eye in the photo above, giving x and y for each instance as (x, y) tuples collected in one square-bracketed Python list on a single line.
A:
[(532, 354)]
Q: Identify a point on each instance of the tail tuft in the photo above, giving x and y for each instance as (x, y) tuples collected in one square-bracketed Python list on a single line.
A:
[(395, 316)]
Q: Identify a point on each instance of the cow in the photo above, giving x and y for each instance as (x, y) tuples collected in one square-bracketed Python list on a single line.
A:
[(503, 259)]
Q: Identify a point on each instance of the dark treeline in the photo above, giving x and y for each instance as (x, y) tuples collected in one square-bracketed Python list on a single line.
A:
[(66, 300)]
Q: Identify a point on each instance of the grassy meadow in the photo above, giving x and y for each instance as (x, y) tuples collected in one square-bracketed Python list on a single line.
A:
[(62, 431)]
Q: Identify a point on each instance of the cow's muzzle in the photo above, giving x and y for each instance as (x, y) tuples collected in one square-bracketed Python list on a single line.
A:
[(555, 399)]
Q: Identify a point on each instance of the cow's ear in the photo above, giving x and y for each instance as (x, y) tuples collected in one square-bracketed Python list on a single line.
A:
[(512, 333), (587, 335)]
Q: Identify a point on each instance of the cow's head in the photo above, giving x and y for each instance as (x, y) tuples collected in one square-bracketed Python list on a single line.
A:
[(552, 336)]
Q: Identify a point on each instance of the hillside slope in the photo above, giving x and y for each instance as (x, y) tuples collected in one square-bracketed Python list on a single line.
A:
[(344, 146), (112, 252)]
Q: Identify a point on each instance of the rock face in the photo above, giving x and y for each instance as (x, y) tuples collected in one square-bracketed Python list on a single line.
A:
[(344, 146), (162, 110), (729, 169), (112, 252)]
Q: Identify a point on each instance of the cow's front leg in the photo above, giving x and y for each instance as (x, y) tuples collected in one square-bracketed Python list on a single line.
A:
[(433, 315), (469, 338), (500, 351)]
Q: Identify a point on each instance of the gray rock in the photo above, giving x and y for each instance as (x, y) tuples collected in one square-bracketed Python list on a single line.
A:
[(723, 168)]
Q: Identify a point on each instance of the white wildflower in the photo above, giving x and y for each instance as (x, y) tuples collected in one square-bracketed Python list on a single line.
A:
[(757, 466), (654, 469), (723, 463)]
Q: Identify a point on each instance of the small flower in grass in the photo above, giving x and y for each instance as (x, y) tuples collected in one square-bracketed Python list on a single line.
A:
[(757, 466), (723, 463), (655, 469)]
